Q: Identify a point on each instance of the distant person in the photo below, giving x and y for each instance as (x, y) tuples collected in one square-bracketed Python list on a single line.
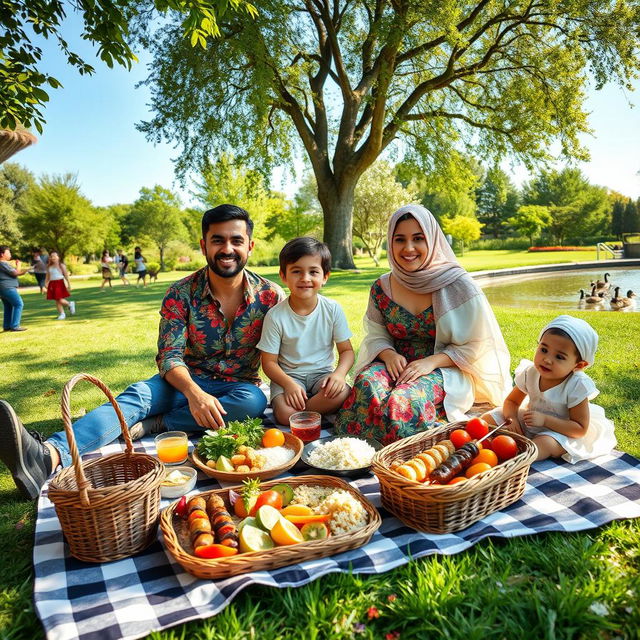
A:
[(59, 286), (11, 299), (299, 335), (105, 265), (39, 269), (550, 402), (141, 267), (123, 265)]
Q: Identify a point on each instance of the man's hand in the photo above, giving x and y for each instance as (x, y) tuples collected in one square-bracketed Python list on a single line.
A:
[(333, 385), (533, 418), (295, 396), (394, 362), (206, 409), (415, 370)]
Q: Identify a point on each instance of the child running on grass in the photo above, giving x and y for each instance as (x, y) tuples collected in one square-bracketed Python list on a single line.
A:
[(558, 416), (299, 333), (58, 286)]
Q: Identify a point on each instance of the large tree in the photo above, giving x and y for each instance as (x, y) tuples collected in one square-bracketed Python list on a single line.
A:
[(496, 200), (15, 183), (25, 85), (345, 80), (59, 217)]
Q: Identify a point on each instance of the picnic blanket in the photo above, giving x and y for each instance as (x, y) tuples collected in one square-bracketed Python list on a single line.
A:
[(130, 598)]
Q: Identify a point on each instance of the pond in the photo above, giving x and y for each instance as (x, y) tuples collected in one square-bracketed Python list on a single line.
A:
[(560, 290)]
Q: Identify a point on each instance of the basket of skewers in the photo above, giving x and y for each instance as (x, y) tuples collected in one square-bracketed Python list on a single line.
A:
[(445, 479)]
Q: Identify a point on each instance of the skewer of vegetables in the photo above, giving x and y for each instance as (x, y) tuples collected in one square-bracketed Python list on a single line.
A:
[(422, 465), (224, 529), (461, 459), (199, 523)]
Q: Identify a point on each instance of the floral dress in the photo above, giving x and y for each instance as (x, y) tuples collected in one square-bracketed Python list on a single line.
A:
[(376, 408)]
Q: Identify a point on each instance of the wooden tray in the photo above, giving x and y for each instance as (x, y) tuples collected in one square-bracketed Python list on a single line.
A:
[(278, 556), (449, 508), (290, 441)]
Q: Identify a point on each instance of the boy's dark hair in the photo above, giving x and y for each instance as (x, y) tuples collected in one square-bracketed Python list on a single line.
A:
[(224, 213), (3, 247), (305, 246), (555, 331)]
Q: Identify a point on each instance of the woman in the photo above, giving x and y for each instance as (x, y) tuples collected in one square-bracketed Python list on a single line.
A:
[(141, 267), (11, 299), (105, 267), (432, 345)]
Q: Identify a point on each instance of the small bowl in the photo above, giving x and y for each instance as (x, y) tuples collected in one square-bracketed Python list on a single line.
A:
[(348, 473), (175, 491)]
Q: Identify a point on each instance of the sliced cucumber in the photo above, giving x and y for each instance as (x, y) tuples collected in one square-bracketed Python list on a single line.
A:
[(286, 491)]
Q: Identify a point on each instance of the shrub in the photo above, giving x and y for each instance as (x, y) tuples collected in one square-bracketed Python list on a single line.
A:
[(153, 267), (518, 244), (557, 248), (82, 268), (27, 280)]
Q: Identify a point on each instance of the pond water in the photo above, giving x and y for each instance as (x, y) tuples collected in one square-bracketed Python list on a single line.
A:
[(560, 290)]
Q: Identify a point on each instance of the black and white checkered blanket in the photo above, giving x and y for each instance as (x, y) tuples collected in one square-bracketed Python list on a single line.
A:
[(132, 597)]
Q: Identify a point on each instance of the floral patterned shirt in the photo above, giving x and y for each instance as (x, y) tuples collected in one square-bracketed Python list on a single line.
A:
[(195, 334)]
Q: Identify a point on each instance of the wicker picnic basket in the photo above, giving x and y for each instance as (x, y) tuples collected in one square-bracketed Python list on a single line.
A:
[(108, 507), (448, 508), (279, 556)]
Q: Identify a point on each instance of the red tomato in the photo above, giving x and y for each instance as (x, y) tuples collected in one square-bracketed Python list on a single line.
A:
[(477, 428), (272, 498), (505, 447), (459, 437), (487, 444), (181, 507)]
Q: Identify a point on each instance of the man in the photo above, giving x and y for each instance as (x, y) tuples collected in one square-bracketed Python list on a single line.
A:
[(39, 269), (207, 359)]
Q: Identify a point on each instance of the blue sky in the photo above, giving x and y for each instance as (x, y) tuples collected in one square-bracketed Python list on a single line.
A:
[(91, 131)]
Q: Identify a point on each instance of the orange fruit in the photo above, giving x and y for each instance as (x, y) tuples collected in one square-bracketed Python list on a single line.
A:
[(273, 438), (284, 532), (477, 468), (297, 510), (486, 455), (457, 479)]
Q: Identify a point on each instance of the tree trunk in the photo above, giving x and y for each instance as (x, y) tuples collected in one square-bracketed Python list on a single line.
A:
[(337, 208), (161, 257)]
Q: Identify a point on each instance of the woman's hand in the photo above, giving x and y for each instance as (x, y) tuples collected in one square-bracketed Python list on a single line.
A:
[(415, 370), (394, 362)]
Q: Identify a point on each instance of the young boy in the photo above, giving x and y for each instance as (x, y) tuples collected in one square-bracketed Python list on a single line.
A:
[(299, 333)]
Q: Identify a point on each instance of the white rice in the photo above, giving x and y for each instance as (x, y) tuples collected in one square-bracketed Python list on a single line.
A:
[(342, 453), (275, 456), (347, 513)]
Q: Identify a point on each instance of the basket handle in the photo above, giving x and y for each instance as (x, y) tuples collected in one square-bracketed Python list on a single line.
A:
[(81, 479)]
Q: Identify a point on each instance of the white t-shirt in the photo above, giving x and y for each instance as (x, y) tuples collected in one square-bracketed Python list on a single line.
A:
[(304, 344)]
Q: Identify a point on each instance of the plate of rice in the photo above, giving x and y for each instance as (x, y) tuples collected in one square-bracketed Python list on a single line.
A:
[(341, 456)]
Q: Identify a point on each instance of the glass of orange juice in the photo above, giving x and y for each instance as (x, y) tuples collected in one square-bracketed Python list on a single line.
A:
[(172, 447)]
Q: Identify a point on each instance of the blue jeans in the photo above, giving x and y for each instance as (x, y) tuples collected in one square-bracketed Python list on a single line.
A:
[(153, 397), (12, 302)]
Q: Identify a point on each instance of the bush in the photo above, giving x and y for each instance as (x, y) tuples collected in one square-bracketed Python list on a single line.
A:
[(27, 280), (518, 244), (170, 264), (153, 267), (556, 248), (265, 254), (82, 269)]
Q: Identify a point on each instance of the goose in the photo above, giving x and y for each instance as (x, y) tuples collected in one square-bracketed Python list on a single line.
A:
[(594, 298), (629, 300), (602, 285), (616, 302)]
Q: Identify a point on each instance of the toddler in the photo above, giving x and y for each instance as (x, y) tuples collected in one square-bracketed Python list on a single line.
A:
[(299, 333), (550, 400)]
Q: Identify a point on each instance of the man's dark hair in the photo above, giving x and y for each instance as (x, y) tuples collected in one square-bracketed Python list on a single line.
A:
[(224, 213), (305, 246)]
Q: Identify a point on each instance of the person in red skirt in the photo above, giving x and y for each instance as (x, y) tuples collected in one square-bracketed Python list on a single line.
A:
[(58, 285)]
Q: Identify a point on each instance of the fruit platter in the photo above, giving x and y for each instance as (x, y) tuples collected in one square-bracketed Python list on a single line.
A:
[(445, 479), (257, 526), (244, 449)]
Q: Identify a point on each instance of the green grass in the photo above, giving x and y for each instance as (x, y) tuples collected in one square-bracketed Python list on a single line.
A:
[(537, 587)]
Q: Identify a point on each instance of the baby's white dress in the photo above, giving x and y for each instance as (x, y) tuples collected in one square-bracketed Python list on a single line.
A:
[(557, 401)]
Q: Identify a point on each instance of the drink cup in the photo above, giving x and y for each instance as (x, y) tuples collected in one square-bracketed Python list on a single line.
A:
[(172, 447), (305, 425)]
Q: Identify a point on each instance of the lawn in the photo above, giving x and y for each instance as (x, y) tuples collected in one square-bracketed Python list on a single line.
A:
[(537, 587)]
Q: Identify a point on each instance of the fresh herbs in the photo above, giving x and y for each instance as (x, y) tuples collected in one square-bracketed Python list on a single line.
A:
[(226, 440)]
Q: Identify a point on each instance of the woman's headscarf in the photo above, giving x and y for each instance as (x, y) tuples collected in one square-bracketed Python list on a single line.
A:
[(440, 267)]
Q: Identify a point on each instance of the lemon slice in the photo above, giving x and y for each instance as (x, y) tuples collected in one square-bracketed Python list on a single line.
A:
[(285, 532)]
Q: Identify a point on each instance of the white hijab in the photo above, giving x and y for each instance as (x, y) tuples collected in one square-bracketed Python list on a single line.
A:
[(466, 328)]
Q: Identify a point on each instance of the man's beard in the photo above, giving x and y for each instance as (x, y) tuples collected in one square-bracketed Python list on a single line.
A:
[(226, 272)]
